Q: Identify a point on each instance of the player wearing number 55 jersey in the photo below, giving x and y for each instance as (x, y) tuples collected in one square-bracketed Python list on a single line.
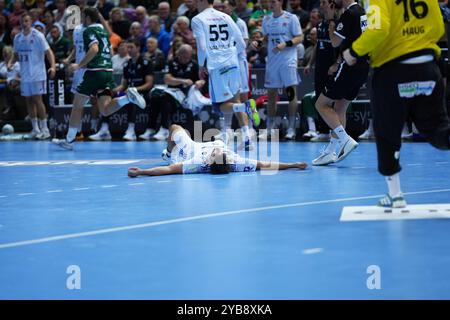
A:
[(219, 41), (283, 33), (401, 43)]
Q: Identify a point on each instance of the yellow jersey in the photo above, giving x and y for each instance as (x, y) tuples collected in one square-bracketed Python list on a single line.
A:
[(399, 27)]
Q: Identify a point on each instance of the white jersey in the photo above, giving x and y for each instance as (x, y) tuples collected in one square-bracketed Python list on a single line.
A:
[(31, 51), (278, 30), (78, 42), (244, 30), (202, 153), (219, 39)]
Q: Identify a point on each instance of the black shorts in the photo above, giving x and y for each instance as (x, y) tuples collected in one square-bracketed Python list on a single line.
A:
[(346, 82)]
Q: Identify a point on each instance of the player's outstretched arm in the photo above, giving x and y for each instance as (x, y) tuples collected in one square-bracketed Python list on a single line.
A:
[(272, 165), (176, 168)]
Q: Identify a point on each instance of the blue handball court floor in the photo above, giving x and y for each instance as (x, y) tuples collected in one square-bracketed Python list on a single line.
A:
[(74, 226)]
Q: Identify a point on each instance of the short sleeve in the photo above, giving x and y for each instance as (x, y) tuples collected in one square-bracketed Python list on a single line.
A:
[(296, 29), (344, 25), (89, 38)]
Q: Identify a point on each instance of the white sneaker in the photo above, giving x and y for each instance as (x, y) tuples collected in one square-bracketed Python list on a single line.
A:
[(147, 134), (32, 135), (162, 134), (130, 135), (389, 202), (43, 135), (367, 135), (63, 143), (290, 135), (309, 135), (345, 149), (321, 137), (136, 98), (326, 157), (101, 136)]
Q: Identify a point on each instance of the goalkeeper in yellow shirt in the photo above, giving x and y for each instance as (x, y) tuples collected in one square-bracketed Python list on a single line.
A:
[(401, 45)]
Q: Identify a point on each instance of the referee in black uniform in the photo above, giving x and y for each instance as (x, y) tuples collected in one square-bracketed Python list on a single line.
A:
[(344, 84), (401, 42)]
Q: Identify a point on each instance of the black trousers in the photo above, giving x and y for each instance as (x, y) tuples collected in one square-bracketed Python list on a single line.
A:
[(391, 108), (164, 105)]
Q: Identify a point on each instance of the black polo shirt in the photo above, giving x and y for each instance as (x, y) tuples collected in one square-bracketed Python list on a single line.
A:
[(183, 71), (351, 25), (135, 72)]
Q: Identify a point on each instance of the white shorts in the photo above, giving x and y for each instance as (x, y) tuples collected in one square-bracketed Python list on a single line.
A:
[(243, 69), (184, 148), (281, 77), (77, 78), (224, 83), (34, 88)]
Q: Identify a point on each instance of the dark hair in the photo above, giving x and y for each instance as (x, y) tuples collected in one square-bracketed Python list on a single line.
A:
[(136, 42), (92, 13), (220, 168), (210, 1), (25, 14)]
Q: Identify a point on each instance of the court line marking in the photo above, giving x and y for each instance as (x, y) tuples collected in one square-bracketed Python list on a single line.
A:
[(164, 181), (136, 184), (80, 189), (110, 186), (442, 162), (312, 251), (26, 194), (54, 191), (194, 218)]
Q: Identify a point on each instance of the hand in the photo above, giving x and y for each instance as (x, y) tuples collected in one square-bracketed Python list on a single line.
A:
[(65, 62), (74, 67), (307, 70), (133, 172), (279, 47), (52, 72), (188, 82), (255, 45), (301, 165), (199, 84), (333, 69), (349, 59), (203, 73), (9, 66)]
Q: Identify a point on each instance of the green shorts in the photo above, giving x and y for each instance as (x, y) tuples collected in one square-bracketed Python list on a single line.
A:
[(96, 81)]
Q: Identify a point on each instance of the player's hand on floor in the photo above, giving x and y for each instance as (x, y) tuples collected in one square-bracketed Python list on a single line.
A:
[(133, 172), (302, 165)]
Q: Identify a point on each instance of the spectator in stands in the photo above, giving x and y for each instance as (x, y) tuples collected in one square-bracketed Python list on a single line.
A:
[(59, 43), (258, 15), (124, 4), (119, 24), (310, 5), (309, 52), (243, 11), (104, 7), (9, 84), (136, 34), (191, 9), (165, 18), (14, 16), (183, 73), (314, 20), (162, 36), (39, 26), (143, 19), (257, 56), (3, 9), (60, 12), (36, 16), (182, 30), (120, 59), (175, 45), (5, 32), (49, 21), (302, 14), (155, 55)]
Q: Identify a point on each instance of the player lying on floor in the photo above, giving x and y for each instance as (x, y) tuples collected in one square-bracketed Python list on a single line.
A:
[(187, 156)]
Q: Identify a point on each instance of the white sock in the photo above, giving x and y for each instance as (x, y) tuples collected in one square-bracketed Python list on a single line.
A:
[(104, 127), (130, 126), (393, 183), (331, 147), (292, 122), (228, 117), (43, 124), (270, 122), (123, 101), (311, 124), (71, 134), (35, 124), (239, 107), (245, 133), (342, 135)]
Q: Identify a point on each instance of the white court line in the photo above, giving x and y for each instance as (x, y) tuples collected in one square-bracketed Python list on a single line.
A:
[(442, 162), (136, 184), (54, 191), (164, 181), (26, 194), (312, 251), (3, 196), (359, 168), (80, 189), (109, 186), (414, 164), (191, 179), (219, 177), (193, 218)]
